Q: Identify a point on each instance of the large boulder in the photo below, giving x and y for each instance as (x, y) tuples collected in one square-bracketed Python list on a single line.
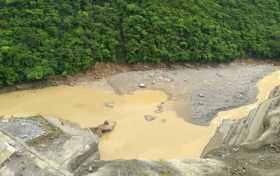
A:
[(61, 143), (16, 158)]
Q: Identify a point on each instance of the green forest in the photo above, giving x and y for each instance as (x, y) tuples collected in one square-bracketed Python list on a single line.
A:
[(41, 38)]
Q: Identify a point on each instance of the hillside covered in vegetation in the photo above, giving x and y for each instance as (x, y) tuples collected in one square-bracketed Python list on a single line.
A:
[(39, 38)]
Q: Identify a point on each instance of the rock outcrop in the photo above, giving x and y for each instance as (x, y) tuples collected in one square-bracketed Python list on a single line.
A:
[(250, 146), (44, 146)]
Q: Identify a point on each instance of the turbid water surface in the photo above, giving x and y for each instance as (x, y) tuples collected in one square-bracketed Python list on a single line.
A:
[(166, 137)]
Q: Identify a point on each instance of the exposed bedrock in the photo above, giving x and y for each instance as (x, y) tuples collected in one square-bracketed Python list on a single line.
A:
[(250, 146), (44, 146)]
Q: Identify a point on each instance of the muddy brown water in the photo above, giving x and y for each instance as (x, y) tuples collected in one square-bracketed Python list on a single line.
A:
[(166, 137)]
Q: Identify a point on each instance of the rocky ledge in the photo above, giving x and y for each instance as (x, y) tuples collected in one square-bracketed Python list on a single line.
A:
[(50, 147)]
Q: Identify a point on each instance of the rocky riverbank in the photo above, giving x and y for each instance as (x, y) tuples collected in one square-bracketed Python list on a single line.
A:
[(200, 91)]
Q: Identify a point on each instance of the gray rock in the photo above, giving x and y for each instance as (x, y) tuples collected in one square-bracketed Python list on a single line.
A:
[(254, 131), (219, 75), (20, 159), (141, 85), (90, 169), (25, 129), (201, 95), (67, 146), (250, 146), (198, 167)]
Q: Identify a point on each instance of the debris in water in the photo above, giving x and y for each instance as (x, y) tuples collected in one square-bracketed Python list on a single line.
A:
[(149, 117), (160, 108), (107, 126)]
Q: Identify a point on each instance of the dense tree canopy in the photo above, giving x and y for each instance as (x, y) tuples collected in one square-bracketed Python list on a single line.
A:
[(39, 38)]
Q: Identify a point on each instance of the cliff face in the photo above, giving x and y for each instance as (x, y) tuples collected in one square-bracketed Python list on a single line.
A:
[(47, 146)]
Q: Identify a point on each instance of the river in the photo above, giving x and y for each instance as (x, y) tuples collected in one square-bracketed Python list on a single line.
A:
[(166, 137)]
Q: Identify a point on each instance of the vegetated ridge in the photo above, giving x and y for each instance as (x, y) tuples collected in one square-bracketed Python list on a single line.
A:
[(40, 38)]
